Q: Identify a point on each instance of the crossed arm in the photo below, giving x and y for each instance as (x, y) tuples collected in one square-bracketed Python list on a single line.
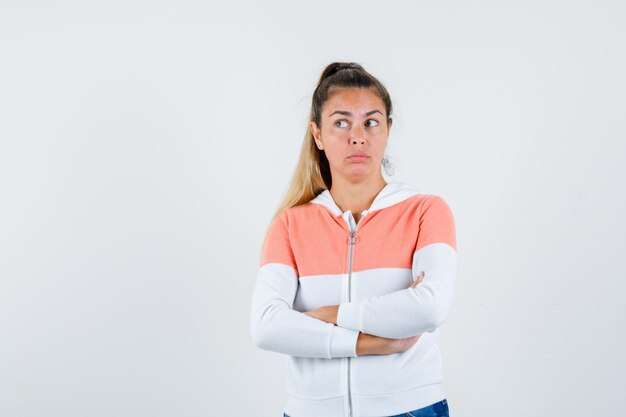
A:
[(343, 330), (329, 313)]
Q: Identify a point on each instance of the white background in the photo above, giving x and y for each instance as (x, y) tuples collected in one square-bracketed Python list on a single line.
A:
[(145, 146)]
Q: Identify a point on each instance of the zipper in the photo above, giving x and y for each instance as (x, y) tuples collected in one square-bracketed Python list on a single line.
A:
[(352, 233), (352, 242)]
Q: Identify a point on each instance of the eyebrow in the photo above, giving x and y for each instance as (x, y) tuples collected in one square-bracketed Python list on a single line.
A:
[(347, 113)]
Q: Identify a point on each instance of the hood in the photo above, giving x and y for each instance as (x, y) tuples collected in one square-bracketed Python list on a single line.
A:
[(392, 193)]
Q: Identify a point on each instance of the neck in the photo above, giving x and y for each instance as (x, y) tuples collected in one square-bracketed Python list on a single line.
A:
[(356, 196)]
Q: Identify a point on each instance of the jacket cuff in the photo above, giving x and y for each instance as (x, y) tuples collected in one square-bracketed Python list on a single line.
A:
[(349, 315), (343, 342)]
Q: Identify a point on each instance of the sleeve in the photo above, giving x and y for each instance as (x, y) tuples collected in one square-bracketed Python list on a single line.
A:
[(274, 324), (411, 311)]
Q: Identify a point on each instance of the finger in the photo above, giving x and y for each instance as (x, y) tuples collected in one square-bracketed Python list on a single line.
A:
[(418, 279)]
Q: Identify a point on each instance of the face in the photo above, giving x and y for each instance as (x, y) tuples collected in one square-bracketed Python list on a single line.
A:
[(353, 133)]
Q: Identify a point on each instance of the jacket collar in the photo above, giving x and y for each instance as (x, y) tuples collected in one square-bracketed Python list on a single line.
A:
[(392, 193)]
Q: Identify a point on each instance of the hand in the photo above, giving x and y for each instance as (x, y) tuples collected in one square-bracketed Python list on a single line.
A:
[(419, 279), (325, 313), (368, 344), (400, 345)]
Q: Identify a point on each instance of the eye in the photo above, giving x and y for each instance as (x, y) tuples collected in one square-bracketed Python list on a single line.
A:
[(375, 121), (339, 121)]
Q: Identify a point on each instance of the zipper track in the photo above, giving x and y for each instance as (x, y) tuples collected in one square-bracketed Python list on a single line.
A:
[(352, 241), (352, 233)]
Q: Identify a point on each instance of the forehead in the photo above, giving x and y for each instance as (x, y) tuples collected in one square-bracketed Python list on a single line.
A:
[(355, 100)]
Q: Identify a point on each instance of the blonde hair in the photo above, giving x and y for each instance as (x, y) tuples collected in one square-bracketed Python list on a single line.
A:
[(312, 173)]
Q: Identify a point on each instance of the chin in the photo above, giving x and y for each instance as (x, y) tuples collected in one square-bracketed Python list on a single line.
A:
[(358, 173)]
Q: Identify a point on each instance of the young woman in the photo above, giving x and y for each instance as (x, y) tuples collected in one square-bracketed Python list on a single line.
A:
[(357, 274)]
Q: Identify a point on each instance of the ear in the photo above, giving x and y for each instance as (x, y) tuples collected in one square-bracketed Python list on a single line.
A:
[(316, 135), (389, 123), (314, 130)]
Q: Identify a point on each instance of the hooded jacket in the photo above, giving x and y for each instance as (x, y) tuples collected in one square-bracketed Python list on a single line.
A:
[(316, 255)]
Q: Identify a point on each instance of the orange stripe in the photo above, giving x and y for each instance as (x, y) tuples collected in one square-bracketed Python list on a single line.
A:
[(315, 240), (277, 246), (436, 223), (320, 240)]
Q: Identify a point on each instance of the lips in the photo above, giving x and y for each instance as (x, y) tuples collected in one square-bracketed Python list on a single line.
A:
[(358, 158)]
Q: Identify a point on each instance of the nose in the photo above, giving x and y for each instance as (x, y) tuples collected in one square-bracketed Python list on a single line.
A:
[(358, 135)]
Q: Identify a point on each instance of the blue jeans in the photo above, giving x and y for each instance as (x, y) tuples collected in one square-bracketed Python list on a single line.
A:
[(438, 409)]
